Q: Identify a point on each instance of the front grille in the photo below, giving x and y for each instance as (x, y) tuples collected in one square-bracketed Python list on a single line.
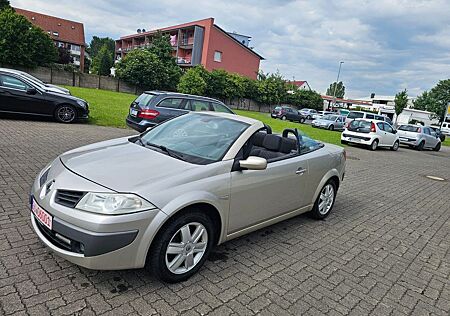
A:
[(43, 178), (69, 198), (69, 245)]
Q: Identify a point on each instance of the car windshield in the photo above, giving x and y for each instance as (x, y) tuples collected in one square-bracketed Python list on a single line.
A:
[(330, 117), (196, 138), (277, 108), (32, 78), (409, 128), (353, 115), (360, 126), (144, 99)]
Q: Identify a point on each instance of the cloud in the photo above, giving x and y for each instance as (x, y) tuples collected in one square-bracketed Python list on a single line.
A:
[(386, 45)]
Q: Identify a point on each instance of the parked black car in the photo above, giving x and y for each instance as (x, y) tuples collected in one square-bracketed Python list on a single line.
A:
[(154, 107), (288, 113), (19, 94)]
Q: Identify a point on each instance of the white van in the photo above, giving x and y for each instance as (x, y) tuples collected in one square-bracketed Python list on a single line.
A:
[(366, 115), (445, 128)]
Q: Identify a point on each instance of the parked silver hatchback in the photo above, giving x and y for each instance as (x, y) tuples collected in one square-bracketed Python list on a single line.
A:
[(164, 198), (419, 137)]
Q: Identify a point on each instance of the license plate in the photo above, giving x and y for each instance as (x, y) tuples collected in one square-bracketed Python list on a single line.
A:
[(133, 112), (355, 139), (43, 217), (404, 139)]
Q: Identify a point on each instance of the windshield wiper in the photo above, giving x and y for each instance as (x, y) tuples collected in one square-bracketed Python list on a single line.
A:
[(168, 151)]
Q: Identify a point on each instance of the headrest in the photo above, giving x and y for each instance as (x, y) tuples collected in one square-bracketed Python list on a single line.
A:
[(288, 145), (258, 139), (272, 142)]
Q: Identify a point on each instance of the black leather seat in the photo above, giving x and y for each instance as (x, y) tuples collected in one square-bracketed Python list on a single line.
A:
[(272, 146), (288, 145)]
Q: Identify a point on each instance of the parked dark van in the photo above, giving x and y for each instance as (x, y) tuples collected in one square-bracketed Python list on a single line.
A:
[(154, 107)]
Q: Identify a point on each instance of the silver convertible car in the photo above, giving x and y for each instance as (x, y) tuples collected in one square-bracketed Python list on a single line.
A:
[(163, 199)]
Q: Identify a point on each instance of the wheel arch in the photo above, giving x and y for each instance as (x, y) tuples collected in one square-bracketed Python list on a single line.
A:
[(333, 175)]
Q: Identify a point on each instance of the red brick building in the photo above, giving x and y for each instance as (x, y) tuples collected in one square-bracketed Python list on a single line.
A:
[(65, 33), (201, 42)]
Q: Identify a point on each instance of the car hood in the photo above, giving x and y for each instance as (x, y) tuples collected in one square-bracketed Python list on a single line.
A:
[(123, 166)]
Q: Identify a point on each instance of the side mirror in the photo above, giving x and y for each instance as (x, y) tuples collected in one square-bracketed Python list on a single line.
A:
[(395, 131), (253, 163), (31, 91)]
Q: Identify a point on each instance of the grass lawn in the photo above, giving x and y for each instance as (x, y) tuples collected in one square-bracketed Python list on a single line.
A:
[(108, 108)]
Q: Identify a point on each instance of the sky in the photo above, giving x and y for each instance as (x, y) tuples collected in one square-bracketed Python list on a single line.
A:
[(386, 45)]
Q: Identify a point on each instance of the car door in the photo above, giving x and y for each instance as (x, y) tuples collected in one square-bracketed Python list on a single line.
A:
[(340, 121), (430, 139), (390, 135), (382, 134), (260, 195), (172, 107), (14, 97)]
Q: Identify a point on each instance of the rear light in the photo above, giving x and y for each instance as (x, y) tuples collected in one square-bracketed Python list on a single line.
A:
[(346, 125), (148, 114), (419, 130), (372, 127)]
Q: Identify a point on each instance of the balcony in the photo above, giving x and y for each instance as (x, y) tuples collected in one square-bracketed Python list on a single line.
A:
[(75, 52), (184, 61)]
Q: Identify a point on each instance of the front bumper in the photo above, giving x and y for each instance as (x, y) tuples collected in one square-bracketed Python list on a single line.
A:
[(94, 241), (408, 141)]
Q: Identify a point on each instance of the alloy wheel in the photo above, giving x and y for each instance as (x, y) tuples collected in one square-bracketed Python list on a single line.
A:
[(326, 199), (66, 114), (186, 248)]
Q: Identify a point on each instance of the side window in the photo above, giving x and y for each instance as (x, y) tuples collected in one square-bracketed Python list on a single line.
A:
[(370, 116), (380, 126), (13, 83), (220, 107), (388, 128), (379, 117), (171, 103), (198, 105), (426, 130)]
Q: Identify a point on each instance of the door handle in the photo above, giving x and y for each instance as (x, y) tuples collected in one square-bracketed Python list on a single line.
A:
[(300, 171)]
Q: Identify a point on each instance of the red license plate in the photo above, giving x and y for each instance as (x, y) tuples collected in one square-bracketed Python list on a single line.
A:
[(43, 217)]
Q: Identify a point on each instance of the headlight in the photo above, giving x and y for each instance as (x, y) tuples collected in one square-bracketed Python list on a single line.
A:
[(113, 203), (82, 104)]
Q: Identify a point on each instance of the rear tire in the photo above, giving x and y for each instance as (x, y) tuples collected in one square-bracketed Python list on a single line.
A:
[(395, 146), (374, 145), (302, 120), (65, 113), (325, 201), (344, 142), (187, 254), (421, 146), (331, 127), (438, 147)]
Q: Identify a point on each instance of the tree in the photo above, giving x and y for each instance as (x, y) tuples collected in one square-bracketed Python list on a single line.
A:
[(401, 101), (271, 89), (192, 82), (340, 90), (142, 68), (216, 82), (23, 44), (161, 47), (424, 102), (103, 62), (64, 56), (306, 99), (97, 43), (441, 95), (4, 4)]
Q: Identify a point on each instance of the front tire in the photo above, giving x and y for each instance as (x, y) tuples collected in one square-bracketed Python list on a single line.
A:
[(283, 118), (331, 127), (65, 114), (181, 247), (325, 201), (302, 120)]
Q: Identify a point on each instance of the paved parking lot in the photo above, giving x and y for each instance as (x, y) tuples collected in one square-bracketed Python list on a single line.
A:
[(384, 250)]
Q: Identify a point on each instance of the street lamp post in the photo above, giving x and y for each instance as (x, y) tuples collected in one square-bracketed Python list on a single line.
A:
[(335, 86)]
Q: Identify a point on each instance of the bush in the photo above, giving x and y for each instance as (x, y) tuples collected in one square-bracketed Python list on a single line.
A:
[(191, 82)]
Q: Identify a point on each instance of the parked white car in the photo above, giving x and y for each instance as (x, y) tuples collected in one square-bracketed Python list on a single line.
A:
[(308, 113), (366, 115), (445, 128), (419, 137), (321, 114), (373, 134)]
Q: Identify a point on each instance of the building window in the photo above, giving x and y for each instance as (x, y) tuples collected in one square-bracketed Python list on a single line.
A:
[(55, 34), (218, 56)]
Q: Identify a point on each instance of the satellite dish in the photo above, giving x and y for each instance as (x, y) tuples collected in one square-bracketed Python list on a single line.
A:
[(143, 30), (138, 30)]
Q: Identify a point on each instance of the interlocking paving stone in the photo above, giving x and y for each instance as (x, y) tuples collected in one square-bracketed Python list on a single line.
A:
[(384, 249)]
